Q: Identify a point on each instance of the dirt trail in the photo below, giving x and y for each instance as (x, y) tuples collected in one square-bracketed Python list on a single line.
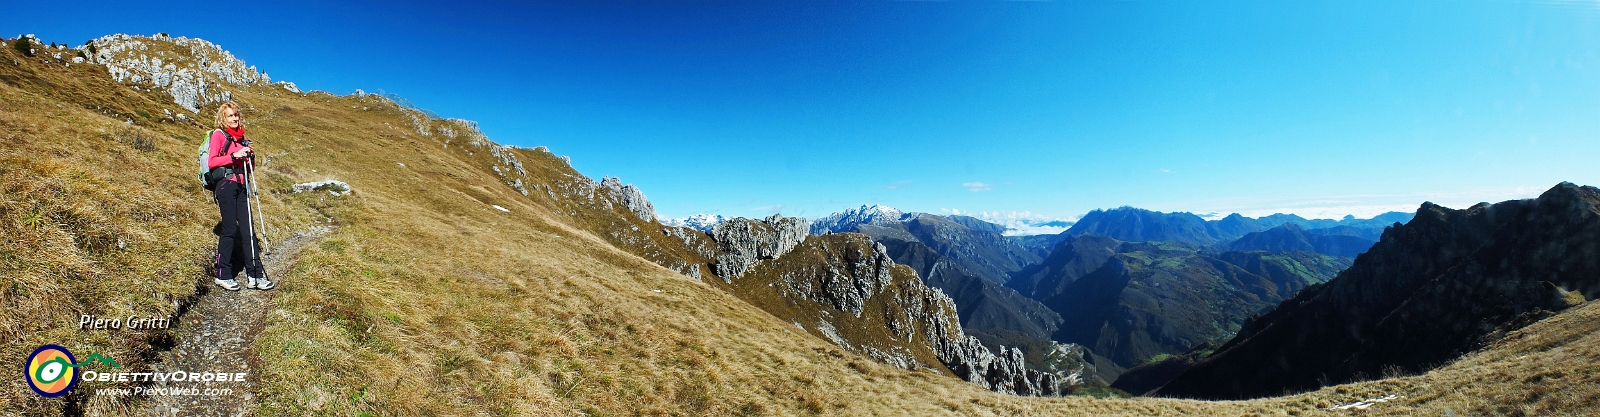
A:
[(216, 335)]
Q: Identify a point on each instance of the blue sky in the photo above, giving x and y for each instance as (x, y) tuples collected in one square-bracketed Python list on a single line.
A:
[(1042, 109)]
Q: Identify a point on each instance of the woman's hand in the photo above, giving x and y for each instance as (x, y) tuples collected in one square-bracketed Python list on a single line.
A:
[(242, 153)]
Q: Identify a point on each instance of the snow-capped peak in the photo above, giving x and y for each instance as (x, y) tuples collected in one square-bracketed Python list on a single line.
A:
[(701, 222), (846, 220)]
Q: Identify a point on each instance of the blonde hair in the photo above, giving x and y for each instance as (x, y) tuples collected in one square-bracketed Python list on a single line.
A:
[(222, 115)]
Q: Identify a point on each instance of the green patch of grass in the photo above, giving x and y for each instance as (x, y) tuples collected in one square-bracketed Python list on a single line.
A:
[(1098, 391)]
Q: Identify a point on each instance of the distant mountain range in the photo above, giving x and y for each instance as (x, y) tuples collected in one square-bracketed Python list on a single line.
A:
[(1178, 282), (1138, 225), (846, 221), (1289, 237), (1131, 301), (1444, 284), (701, 222), (1129, 284)]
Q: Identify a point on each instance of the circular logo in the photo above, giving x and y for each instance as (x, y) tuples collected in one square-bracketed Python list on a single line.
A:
[(51, 372)]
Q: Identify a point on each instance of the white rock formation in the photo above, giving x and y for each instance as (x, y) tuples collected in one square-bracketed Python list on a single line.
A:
[(847, 220), (196, 77), (630, 196), (743, 242), (335, 187)]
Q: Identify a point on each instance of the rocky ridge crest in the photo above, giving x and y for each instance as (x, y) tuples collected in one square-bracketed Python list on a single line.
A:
[(1429, 291)]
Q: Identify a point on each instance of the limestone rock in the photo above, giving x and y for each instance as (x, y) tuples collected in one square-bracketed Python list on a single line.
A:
[(194, 77), (845, 280), (850, 273), (630, 197), (743, 242), (334, 187)]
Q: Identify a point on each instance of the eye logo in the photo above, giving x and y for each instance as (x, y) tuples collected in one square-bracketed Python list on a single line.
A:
[(51, 371)]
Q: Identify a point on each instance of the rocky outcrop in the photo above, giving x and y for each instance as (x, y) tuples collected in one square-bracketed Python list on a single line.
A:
[(983, 304), (694, 240), (1006, 372), (860, 299), (1429, 291), (844, 281), (334, 187), (630, 197), (742, 242), (842, 287), (194, 73)]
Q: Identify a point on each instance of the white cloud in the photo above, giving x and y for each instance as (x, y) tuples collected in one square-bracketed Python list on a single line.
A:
[(772, 209), (1019, 223), (977, 187)]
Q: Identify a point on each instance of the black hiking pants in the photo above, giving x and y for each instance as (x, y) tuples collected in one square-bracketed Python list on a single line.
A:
[(233, 250)]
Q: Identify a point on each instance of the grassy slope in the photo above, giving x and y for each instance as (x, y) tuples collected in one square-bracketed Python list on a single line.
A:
[(426, 300), (98, 217)]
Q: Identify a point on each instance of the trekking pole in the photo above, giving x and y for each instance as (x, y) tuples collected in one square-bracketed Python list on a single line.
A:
[(250, 171), (251, 224)]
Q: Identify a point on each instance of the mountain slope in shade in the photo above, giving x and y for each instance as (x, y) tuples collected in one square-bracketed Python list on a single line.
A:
[(1038, 245), (1429, 291), (1290, 237), (1131, 301), (981, 304), (1075, 257), (984, 252), (1154, 299), (975, 223)]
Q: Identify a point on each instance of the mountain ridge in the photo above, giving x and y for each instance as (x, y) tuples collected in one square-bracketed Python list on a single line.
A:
[(1426, 293)]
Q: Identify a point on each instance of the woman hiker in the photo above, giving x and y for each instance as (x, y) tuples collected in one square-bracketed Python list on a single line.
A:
[(236, 248)]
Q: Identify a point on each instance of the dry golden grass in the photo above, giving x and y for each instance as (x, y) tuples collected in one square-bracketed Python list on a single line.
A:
[(427, 301), (98, 217)]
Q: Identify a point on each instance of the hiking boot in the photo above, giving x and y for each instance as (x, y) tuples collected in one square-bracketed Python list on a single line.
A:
[(227, 284), (261, 283)]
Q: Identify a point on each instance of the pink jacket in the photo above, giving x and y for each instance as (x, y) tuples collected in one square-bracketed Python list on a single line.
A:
[(221, 157)]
